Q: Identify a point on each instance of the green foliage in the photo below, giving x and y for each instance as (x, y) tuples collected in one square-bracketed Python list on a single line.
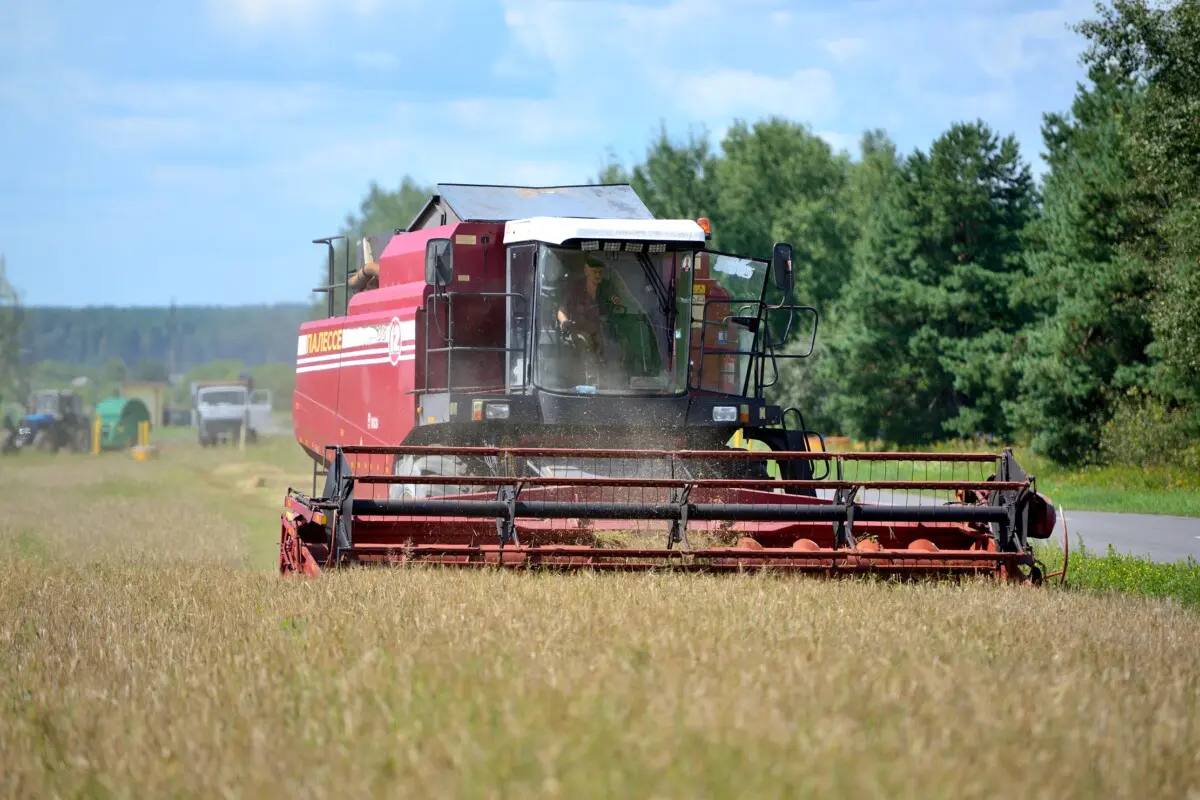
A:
[(1114, 572), (383, 211), (280, 379), (150, 369), (1175, 311), (817, 385), (1158, 46), (778, 181), (1124, 233), (1144, 431), (925, 336), (676, 181), (12, 374), (771, 181), (380, 214), (1090, 299), (184, 335)]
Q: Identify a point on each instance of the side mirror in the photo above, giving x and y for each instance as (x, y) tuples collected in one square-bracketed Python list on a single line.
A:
[(439, 262), (781, 268)]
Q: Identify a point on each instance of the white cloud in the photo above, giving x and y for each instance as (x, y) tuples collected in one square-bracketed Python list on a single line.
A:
[(846, 48), (805, 94), (644, 67), (524, 120), (376, 60), (1007, 46), (288, 13), (840, 141)]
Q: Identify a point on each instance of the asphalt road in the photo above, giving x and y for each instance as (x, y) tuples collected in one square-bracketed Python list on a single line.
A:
[(1158, 537), (1154, 536)]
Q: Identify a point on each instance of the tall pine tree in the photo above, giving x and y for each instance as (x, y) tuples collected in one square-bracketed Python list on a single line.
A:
[(1091, 327), (927, 339), (1157, 47), (816, 385)]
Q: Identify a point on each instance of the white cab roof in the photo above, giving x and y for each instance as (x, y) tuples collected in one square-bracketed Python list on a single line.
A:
[(556, 230)]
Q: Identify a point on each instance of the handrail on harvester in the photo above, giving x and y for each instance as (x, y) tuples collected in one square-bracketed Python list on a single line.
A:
[(680, 483), (574, 452)]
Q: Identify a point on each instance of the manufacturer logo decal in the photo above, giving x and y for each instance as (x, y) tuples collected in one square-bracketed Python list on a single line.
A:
[(393, 341)]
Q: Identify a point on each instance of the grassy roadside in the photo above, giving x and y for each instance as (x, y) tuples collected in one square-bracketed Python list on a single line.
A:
[(1138, 490), (1117, 488), (1099, 573)]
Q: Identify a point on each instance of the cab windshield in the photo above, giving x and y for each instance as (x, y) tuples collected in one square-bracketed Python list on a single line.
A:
[(612, 321), (224, 397), (46, 403)]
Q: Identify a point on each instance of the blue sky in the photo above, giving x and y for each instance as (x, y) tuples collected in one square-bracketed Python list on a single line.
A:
[(190, 151)]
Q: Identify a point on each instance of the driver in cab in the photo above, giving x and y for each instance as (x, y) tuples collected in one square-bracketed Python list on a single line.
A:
[(589, 305)]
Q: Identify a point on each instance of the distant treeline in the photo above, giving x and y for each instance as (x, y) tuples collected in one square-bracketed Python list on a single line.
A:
[(178, 338)]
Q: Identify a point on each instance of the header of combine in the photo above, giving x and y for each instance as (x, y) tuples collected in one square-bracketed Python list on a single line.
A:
[(563, 366)]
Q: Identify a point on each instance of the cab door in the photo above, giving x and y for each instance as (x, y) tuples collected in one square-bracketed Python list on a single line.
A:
[(519, 287)]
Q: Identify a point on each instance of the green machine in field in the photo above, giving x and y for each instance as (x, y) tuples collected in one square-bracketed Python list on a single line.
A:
[(119, 420)]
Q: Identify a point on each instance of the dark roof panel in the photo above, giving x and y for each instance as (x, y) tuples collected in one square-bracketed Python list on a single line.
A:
[(473, 203)]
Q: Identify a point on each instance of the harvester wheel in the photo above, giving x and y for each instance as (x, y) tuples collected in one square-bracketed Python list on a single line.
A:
[(1032, 575)]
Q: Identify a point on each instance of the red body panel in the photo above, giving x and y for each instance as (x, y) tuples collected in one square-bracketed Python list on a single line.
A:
[(356, 374)]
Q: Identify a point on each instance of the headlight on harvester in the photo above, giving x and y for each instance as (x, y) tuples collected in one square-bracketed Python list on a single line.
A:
[(497, 410), (725, 413)]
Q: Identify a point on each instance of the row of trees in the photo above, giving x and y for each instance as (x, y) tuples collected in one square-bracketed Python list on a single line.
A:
[(959, 297), (914, 262), (178, 336), (12, 375)]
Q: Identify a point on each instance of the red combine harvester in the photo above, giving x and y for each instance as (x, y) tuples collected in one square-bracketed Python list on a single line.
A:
[(551, 377)]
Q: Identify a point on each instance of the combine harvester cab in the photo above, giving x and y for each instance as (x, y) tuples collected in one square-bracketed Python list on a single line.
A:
[(552, 377)]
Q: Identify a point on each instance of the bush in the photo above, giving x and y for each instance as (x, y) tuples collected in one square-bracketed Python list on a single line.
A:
[(1144, 431)]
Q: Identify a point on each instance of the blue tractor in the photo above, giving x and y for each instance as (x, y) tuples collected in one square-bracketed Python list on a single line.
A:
[(56, 422)]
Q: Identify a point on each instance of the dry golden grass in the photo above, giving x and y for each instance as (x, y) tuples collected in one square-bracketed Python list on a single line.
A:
[(146, 649)]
